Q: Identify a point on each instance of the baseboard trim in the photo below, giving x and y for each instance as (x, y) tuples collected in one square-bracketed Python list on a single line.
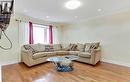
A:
[(0, 74), (104, 60), (8, 62), (116, 62)]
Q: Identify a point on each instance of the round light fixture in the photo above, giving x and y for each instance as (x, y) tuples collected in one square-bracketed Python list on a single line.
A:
[(75, 17), (99, 10), (47, 16), (73, 4)]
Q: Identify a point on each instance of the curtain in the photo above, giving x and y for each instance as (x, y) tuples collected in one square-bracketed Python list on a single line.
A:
[(56, 35), (23, 33), (23, 36), (31, 41), (50, 35)]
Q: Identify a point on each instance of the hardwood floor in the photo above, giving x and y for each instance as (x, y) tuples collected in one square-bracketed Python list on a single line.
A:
[(102, 72)]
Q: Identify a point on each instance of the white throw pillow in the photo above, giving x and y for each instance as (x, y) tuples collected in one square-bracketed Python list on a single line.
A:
[(41, 47), (57, 47), (80, 47)]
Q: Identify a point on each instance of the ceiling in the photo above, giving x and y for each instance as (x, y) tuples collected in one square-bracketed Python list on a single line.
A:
[(54, 10)]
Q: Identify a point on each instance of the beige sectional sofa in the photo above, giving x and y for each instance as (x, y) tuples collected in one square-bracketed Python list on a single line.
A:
[(33, 54)]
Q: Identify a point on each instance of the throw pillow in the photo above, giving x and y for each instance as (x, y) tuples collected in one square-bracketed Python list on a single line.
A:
[(74, 47), (35, 47), (88, 47), (28, 47), (41, 48), (48, 48), (68, 48), (91, 46), (95, 45), (57, 47), (80, 47)]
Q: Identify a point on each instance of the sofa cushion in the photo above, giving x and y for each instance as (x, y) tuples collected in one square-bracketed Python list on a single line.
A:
[(35, 48), (30, 48), (95, 45), (39, 55), (69, 47), (74, 52), (85, 54), (80, 47), (88, 47), (48, 48), (91, 46), (41, 47), (74, 47), (61, 52), (57, 47), (50, 53)]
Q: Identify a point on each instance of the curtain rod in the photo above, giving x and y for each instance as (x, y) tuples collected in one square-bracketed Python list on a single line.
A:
[(32, 22)]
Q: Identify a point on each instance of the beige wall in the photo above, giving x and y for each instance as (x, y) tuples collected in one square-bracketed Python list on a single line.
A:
[(112, 31)]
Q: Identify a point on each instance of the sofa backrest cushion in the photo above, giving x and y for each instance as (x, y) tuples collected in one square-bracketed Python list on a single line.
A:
[(68, 47), (48, 48), (35, 47), (41, 47), (88, 47), (57, 47), (80, 47), (30, 48), (71, 47)]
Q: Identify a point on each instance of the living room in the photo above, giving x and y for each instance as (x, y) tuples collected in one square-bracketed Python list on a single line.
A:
[(71, 25)]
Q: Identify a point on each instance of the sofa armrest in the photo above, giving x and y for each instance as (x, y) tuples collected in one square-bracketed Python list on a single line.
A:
[(26, 56), (95, 56), (27, 52)]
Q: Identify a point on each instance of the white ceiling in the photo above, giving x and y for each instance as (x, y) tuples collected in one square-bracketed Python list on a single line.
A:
[(58, 13)]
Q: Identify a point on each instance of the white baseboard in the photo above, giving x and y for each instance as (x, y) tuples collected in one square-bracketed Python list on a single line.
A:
[(0, 74), (8, 62), (116, 62)]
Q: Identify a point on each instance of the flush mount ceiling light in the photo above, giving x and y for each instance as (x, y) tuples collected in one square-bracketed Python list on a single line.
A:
[(72, 4), (99, 10), (47, 16)]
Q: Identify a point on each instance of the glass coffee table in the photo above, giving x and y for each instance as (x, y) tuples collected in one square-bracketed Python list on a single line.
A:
[(63, 63)]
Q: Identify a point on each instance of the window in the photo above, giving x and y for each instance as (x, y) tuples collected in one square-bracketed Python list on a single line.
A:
[(40, 34)]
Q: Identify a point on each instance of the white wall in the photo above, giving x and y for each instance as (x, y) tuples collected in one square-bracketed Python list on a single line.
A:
[(56, 31), (10, 56), (0, 75), (112, 31), (13, 55)]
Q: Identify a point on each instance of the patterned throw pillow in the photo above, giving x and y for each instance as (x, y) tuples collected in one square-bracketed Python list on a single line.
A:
[(35, 48), (48, 48), (28, 47), (95, 45), (91, 46), (68, 48), (74, 47)]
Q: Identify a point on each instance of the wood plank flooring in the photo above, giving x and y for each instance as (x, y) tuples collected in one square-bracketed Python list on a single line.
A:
[(102, 72)]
